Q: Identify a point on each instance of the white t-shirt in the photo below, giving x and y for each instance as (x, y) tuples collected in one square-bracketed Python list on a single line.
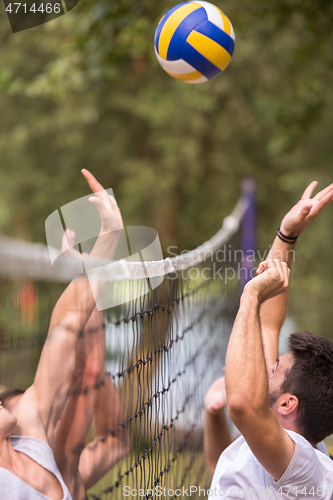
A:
[(238, 474)]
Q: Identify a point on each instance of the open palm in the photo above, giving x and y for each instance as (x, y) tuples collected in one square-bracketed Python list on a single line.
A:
[(306, 210)]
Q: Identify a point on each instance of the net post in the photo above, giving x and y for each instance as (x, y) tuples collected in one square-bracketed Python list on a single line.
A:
[(248, 229)]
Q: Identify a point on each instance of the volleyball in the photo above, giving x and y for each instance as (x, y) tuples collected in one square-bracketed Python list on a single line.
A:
[(194, 41)]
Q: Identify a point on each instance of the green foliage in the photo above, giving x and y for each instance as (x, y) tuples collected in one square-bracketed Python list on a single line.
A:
[(86, 91), (25, 311)]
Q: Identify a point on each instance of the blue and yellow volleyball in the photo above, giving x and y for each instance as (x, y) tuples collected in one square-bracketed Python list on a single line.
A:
[(194, 41)]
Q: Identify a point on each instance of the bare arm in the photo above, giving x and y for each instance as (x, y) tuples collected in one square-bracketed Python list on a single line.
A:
[(273, 311), (246, 375), (56, 366), (216, 430), (107, 449), (70, 434)]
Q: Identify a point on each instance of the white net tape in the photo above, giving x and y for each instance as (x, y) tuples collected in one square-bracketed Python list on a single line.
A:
[(33, 260)]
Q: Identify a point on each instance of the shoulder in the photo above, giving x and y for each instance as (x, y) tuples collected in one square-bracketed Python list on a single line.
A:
[(304, 444), (307, 463), (322, 447)]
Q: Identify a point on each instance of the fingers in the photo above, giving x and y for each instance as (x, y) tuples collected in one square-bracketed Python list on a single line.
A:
[(281, 271), (271, 267), (323, 192), (324, 197), (96, 201), (278, 269), (309, 190), (278, 265), (68, 240), (99, 202), (95, 186), (262, 267), (325, 200), (98, 189), (266, 265), (68, 243), (285, 272), (273, 280)]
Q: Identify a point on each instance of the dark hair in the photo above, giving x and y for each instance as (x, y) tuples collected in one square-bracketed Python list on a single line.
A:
[(10, 393), (310, 379)]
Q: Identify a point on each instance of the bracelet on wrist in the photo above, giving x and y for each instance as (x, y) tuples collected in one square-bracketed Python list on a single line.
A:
[(286, 239)]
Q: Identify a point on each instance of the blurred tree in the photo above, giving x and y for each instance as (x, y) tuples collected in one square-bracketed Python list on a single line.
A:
[(86, 91)]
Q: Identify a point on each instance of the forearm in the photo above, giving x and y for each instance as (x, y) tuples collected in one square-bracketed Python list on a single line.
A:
[(109, 413), (245, 369), (106, 243), (108, 448), (273, 312), (97, 459), (282, 251), (90, 354), (75, 306), (216, 437), (109, 417), (80, 406)]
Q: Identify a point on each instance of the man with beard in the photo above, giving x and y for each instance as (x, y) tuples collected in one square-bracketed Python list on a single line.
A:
[(282, 406)]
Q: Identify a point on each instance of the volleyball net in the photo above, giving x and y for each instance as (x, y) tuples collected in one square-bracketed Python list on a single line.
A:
[(166, 341)]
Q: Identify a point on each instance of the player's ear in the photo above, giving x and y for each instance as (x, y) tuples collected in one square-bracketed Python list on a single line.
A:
[(288, 404)]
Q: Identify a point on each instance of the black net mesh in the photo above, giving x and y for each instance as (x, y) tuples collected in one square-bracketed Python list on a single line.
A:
[(164, 349)]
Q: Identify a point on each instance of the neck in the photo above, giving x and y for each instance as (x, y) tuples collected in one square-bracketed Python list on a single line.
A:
[(7, 452), (289, 425), (287, 421)]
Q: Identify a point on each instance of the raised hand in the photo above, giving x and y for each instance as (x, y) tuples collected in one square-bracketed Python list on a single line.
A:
[(216, 397), (68, 242), (106, 205), (307, 209), (272, 280)]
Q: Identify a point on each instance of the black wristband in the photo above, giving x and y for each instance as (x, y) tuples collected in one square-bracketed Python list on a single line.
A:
[(286, 239)]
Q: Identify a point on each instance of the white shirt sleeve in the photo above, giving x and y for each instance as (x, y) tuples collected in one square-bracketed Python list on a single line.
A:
[(304, 477)]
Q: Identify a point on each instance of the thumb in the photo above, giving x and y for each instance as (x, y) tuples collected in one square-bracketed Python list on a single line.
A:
[(96, 201), (261, 268), (305, 210)]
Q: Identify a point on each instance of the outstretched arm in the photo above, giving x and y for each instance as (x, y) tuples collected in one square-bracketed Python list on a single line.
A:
[(273, 311), (56, 366), (108, 447), (246, 375)]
